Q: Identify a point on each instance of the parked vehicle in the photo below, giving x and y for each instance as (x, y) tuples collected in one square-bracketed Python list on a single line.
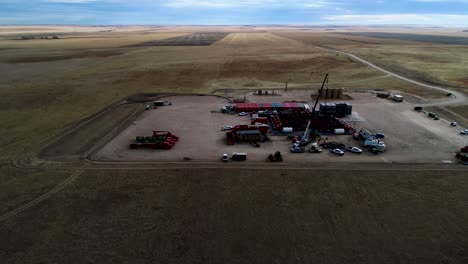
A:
[(454, 124), (374, 150), (398, 98), (383, 95), (297, 150), (462, 157), (355, 150), (243, 114), (379, 135), (365, 134), (337, 151), (315, 149), (224, 128), (225, 157), (379, 145), (239, 156), (464, 132), (333, 145)]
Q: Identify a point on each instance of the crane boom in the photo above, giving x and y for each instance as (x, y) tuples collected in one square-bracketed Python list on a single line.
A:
[(320, 93), (305, 137)]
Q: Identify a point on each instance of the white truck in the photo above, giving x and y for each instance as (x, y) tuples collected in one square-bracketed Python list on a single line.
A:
[(366, 134), (377, 144), (398, 98)]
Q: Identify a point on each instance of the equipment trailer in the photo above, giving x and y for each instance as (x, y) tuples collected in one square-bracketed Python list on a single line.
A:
[(159, 140)]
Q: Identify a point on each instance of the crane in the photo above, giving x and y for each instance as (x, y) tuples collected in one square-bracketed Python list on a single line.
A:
[(305, 137)]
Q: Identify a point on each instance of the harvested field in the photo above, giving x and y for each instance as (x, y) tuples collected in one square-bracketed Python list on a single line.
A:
[(75, 55), (26, 187), (196, 39), (452, 40), (256, 40), (334, 39), (79, 41), (57, 207), (222, 215), (460, 110)]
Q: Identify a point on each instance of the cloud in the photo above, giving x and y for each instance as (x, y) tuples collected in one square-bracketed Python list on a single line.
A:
[(400, 19), (71, 1), (249, 3)]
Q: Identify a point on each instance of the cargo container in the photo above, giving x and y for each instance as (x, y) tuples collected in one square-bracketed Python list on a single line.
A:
[(262, 120), (239, 156), (248, 135), (288, 130)]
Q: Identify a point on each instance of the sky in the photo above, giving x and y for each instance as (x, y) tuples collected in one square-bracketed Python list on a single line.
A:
[(445, 13)]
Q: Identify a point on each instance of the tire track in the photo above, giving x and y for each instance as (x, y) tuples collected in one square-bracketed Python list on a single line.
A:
[(418, 193), (20, 177), (46, 195)]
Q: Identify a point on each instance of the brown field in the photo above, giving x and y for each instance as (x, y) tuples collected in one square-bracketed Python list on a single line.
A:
[(61, 101), (245, 215), (429, 62)]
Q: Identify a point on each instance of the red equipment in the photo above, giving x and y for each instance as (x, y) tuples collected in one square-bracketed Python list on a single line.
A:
[(261, 120), (261, 128), (159, 140), (463, 157)]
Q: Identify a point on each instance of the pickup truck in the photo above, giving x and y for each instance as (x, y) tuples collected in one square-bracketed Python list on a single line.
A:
[(297, 150)]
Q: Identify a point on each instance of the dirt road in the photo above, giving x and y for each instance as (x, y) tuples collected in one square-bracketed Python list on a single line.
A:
[(456, 98)]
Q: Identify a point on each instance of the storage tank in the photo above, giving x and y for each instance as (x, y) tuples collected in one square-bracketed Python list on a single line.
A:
[(340, 93), (339, 131), (327, 94), (287, 130), (335, 93)]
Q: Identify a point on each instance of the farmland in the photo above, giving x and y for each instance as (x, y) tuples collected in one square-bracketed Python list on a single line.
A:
[(71, 190), (453, 40), (196, 39), (434, 63)]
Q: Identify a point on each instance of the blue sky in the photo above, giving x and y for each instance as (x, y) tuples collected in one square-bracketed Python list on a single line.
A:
[(240, 12)]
